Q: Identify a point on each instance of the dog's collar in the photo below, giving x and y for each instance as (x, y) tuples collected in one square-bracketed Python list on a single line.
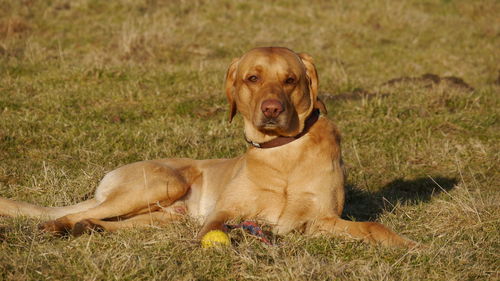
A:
[(281, 140)]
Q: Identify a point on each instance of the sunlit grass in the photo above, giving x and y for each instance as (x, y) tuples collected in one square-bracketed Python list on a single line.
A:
[(86, 86)]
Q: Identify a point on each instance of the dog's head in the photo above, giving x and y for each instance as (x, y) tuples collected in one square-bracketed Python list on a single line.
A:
[(274, 89)]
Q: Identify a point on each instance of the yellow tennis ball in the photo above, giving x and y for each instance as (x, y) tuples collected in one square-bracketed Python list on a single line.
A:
[(215, 238)]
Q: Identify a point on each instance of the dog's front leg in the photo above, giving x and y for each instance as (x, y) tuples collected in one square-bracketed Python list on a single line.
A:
[(370, 232), (215, 221)]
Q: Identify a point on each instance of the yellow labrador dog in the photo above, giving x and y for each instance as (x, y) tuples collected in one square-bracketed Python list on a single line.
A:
[(291, 177)]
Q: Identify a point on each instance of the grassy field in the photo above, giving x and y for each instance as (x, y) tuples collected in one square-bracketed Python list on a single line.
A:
[(87, 85)]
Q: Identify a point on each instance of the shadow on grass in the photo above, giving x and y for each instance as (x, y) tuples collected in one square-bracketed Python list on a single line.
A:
[(363, 205)]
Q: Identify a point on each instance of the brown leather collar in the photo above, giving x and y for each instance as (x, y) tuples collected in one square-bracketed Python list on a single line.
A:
[(281, 140)]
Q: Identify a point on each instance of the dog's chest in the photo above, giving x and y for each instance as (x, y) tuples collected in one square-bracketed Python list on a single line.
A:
[(288, 185)]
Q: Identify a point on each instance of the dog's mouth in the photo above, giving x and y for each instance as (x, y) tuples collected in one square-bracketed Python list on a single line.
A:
[(271, 125)]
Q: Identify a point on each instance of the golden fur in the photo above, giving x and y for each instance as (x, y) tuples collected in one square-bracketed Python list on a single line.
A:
[(299, 185)]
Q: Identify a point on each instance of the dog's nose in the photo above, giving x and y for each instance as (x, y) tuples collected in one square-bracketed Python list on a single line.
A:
[(271, 108)]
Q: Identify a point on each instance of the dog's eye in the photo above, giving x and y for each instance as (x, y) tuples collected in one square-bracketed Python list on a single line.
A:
[(253, 78), (290, 80)]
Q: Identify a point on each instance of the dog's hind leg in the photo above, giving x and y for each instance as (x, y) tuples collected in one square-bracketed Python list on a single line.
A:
[(13, 208), (133, 192), (119, 205), (157, 218)]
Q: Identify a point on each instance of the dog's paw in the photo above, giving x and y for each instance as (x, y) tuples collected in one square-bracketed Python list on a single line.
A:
[(85, 226), (55, 227)]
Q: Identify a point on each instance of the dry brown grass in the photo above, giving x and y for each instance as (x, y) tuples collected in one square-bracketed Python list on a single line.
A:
[(86, 86)]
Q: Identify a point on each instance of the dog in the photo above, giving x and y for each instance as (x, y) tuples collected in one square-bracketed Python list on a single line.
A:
[(291, 177)]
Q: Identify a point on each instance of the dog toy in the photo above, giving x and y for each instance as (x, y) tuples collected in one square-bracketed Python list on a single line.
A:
[(252, 228), (215, 238)]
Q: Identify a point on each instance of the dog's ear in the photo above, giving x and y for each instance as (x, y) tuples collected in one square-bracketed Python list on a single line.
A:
[(230, 79), (312, 77), (321, 106)]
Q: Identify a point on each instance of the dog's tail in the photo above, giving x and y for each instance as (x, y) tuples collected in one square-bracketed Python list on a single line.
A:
[(371, 232), (13, 208)]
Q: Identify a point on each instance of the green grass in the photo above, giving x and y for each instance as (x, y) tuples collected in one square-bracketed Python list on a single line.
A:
[(86, 86)]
